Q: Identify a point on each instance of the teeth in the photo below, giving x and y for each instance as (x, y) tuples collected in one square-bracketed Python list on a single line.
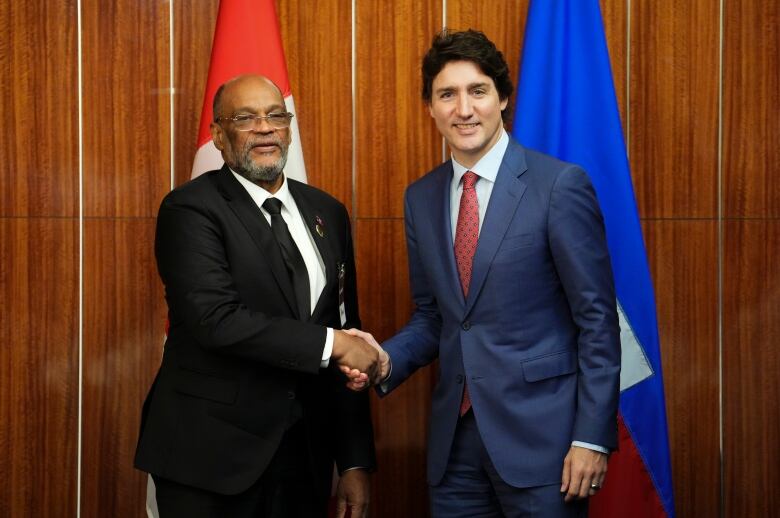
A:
[(467, 126)]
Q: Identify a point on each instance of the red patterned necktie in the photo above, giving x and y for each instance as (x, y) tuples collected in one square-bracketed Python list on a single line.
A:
[(466, 236)]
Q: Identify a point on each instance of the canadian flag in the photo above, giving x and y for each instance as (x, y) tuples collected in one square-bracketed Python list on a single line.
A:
[(247, 40)]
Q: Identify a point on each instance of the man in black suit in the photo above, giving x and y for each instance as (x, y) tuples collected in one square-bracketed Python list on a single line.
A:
[(249, 410)]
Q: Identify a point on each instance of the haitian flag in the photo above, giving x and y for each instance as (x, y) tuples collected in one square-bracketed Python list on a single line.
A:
[(566, 107)]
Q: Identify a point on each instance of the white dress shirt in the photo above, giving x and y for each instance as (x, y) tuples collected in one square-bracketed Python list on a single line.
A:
[(303, 240)]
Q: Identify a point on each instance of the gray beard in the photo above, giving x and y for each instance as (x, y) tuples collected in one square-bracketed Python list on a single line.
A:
[(255, 173)]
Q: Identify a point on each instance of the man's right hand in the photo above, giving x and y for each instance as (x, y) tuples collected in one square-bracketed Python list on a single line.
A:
[(355, 353), (359, 381)]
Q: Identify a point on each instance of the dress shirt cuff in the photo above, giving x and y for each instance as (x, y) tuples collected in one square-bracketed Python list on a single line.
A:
[(328, 350), (385, 383), (594, 447), (354, 467)]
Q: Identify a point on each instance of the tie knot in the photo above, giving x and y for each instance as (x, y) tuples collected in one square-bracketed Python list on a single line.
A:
[(273, 206), (470, 179)]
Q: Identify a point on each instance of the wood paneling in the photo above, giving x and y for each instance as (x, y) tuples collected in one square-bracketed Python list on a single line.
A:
[(683, 259), (124, 327), (126, 142), (615, 16), (318, 49), (39, 104), (674, 107), (397, 141), (193, 33), (503, 22), (401, 419), (38, 366), (751, 97), (126, 105), (751, 363)]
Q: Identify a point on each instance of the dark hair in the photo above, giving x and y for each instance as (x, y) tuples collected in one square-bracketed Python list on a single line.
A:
[(471, 46)]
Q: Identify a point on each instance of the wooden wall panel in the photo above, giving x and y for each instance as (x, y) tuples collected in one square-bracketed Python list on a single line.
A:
[(683, 258), (751, 363), (397, 141), (615, 16), (319, 63), (503, 22), (124, 327), (126, 71), (673, 143), (193, 33), (38, 366), (39, 103), (401, 419), (751, 97), (674, 107)]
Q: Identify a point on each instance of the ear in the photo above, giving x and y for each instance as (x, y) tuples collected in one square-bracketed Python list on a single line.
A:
[(217, 135), (503, 104), (430, 109)]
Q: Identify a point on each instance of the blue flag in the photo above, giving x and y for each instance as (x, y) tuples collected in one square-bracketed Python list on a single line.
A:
[(566, 107)]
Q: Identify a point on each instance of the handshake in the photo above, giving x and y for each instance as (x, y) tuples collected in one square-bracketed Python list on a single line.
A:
[(360, 358)]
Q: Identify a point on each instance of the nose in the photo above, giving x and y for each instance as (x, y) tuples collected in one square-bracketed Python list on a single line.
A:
[(262, 126), (463, 107)]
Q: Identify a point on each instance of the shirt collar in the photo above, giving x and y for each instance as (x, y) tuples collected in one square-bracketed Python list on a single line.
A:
[(487, 166), (259, 195)]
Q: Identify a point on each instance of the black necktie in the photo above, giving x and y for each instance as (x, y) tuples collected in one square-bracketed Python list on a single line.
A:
[(292, 257)]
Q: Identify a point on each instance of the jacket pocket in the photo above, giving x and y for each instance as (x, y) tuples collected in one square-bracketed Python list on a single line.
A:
[(205, 386), (550, 366), (516, 241)]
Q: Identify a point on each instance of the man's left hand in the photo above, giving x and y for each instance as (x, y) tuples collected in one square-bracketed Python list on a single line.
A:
[(583, 473), (353, 492)]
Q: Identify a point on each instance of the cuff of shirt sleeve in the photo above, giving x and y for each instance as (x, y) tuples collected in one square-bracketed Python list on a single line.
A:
[(328, 350), (594, 447), (354, 467), (385, 383)]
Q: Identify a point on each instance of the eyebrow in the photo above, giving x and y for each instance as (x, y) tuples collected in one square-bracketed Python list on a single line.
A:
[(483, 84)]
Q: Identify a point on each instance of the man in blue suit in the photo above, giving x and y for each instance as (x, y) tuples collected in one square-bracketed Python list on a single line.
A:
[(514, 295)]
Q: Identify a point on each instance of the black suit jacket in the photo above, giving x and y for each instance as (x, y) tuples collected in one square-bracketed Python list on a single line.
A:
[(239, 365)]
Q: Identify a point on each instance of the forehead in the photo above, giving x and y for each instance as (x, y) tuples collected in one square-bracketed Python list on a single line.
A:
[(252, 94), (457, 74)]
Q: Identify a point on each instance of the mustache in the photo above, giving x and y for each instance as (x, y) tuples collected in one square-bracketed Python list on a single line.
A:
[(263, 142)]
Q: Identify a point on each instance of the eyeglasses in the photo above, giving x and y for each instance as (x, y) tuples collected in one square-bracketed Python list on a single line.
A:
[(246, 122)]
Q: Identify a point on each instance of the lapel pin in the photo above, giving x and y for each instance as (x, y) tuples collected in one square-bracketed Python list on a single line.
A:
[(319, 226)]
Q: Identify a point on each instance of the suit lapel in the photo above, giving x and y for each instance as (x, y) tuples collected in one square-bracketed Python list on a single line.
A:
[(258, 228), (506, 195), (313, 217), (442, 219)]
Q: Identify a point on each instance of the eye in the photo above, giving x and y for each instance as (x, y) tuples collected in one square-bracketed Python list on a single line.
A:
[(278, 116), (445, 95), (243, 117), (479, 92)]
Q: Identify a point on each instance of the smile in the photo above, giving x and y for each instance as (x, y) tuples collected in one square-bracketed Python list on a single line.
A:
[(467, 126)]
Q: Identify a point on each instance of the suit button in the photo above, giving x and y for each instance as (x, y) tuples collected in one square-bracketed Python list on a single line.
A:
[(459, 378), (291, 395), (466, 325)]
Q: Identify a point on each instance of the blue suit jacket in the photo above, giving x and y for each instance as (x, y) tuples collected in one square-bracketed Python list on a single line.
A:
[(537, 338)]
